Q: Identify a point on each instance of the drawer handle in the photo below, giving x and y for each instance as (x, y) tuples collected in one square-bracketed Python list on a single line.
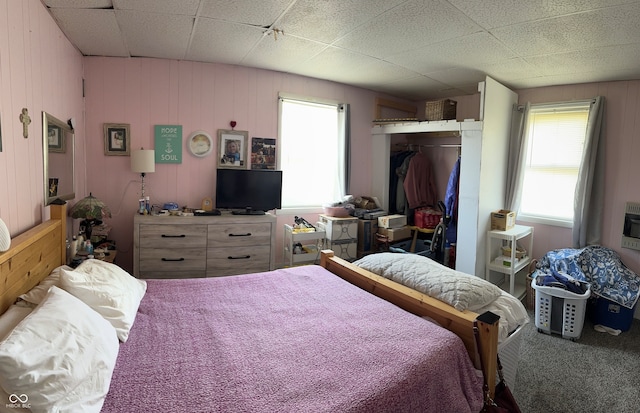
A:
[(173, 236), (248, 234), (244, 257), (172, 259)]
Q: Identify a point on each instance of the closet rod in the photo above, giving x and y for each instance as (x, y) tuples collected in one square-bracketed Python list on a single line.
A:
[(428, 145)]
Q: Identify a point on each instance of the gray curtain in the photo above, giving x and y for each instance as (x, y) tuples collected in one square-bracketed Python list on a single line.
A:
[(517, 149), (589, 195)]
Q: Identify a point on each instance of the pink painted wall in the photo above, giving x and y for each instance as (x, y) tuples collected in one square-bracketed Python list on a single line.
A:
[(622, 148), (198, 96), (40, 71)]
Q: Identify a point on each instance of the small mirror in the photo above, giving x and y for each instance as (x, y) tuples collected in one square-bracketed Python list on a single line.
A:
[(58, 154)]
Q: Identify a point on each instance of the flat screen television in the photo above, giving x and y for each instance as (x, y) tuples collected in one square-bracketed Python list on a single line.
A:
[(248, 191)]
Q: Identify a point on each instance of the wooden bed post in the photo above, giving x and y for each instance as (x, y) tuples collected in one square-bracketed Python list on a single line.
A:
[(488, 336), (59, 213)]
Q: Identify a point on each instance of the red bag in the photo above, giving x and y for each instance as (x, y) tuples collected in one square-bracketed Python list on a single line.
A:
[(503, 400)]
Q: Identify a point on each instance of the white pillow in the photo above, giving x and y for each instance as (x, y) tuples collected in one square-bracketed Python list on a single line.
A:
[(37, 293), (109, 290), (460, 290), (61, 356), (11, 318)]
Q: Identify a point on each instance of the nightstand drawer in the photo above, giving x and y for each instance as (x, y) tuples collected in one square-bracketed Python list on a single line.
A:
[(173, 236), (245, 235), (232, 261)]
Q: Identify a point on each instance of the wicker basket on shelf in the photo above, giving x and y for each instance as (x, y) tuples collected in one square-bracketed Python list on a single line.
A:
[(531, 293), (444, 109)]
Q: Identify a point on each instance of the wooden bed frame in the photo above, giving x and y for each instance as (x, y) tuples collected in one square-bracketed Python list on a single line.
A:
[(459, 322), (36, 252)]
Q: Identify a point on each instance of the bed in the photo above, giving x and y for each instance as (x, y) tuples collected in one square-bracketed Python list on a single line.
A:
[(216, 359)]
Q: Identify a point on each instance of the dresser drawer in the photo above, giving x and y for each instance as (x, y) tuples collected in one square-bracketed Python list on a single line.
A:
[(173, 236), (231, 260), (178, 261), (245, 235)]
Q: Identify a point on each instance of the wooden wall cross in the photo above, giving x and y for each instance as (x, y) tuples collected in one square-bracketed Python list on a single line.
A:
[(26, 120)]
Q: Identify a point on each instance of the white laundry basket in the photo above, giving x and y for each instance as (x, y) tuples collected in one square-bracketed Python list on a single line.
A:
[(560, 311)]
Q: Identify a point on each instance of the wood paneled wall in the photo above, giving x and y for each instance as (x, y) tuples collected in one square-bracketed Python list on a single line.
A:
[(40, 71)]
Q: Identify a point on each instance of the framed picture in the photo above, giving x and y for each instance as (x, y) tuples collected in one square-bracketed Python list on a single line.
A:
[(200, 143), (53, 186), (263, 153), (55, 138), (116, 139), (232, 148)]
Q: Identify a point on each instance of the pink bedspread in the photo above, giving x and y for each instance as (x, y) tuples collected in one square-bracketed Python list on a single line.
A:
[(293, 340)]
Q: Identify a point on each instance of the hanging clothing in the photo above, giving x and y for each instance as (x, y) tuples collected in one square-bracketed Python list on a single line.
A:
[(419, 184), (451, 203), (396, 191)]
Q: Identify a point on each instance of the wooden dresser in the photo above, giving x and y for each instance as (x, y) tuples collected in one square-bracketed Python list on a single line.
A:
[(202, 246)]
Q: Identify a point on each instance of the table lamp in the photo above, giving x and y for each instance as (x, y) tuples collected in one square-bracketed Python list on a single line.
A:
[(143, 161), (91, 210)]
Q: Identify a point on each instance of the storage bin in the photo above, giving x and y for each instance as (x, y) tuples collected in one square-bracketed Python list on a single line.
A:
[(560, 311), (392, 221), (610, 314)]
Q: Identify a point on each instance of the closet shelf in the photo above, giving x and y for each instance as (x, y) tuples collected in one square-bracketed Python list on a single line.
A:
[(427, 126)]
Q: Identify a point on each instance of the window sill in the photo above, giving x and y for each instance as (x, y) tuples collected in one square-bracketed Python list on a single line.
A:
[(555, 222), (300, 211)]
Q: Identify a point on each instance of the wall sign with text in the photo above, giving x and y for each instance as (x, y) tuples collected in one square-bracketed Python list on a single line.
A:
[(168, 143)]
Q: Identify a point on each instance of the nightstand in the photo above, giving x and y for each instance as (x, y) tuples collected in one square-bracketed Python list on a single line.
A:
[(111, 257)]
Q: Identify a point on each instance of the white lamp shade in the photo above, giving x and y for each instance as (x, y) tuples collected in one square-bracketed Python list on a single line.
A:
[(143, 160)]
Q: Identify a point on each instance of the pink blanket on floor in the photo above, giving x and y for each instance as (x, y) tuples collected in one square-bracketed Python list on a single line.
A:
[(293, 340)]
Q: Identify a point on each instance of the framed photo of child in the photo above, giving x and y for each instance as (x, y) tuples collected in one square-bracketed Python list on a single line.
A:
[(232, 148)]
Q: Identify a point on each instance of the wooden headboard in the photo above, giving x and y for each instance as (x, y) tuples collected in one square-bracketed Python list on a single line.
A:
[(32, 256)]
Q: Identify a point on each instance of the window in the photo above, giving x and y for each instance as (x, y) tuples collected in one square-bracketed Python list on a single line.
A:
[(313, 142), (555, 142)]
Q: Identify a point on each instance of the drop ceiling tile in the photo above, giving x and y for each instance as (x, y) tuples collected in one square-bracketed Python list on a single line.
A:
[(352, 68), (467, 51), (510, 69), (500, 13), (329, 20), (282, 54), (418, 88), (222, 42), (182, 7), (79, 4), (574, 32), (459, 76), (575, 78), (155, 35), (603, 59), (411, 25), (95, 32), (259, 13)]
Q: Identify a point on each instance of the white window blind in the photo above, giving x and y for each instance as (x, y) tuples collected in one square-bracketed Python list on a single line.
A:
[(555, 142), (312, 148)]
